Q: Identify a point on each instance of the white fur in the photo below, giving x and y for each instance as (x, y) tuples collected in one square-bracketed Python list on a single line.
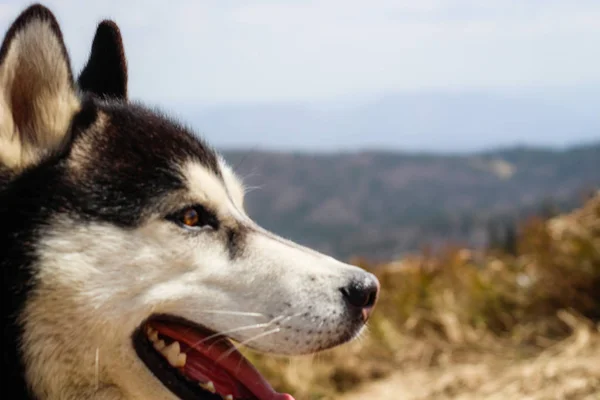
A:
[(98, 283), (233, 184)]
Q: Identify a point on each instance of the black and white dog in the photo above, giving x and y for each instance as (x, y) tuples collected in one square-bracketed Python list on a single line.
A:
[(129, 262)]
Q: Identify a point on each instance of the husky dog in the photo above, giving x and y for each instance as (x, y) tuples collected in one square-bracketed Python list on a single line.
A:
[(130, 265)]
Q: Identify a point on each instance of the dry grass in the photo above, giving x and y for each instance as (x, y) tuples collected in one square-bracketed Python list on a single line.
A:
[(469, 325), (567, 370)]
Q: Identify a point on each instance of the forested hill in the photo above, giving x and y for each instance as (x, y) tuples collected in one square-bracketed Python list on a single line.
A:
[(380, 204)]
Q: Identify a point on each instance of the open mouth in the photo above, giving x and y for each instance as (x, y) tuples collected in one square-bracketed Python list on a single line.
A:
[(196, 363)]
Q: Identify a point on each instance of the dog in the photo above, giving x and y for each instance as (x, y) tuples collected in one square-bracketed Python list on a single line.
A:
[(131, 268)]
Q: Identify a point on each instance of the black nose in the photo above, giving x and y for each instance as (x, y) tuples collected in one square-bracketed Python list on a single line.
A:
[(362, 294)]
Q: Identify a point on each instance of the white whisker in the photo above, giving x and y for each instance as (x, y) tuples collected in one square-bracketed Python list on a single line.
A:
[(236, 347), (291, 316), (247, 327), (241, 313), (97, 368), (250, 189), (223, 333)]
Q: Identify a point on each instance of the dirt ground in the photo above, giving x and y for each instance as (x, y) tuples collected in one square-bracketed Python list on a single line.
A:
[(567, 370)]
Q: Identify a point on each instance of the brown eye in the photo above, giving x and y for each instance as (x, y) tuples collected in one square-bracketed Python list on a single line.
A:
[(190, 217), (195, 218)]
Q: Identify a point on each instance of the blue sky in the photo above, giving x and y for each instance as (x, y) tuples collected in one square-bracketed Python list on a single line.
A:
[(211, 53)]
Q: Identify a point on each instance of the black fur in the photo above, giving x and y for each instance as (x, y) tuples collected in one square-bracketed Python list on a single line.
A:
[(105, 73), (17, 233), (21, 211), (132, 166), (235, 240)]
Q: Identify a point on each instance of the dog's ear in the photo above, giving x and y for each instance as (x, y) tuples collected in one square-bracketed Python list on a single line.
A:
[(37, 92), (105, 73)]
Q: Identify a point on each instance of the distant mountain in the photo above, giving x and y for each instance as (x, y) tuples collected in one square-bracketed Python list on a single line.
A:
[(433, 121), (380, 204)]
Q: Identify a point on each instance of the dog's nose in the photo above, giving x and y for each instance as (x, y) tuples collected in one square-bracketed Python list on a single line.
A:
[(362, 293)]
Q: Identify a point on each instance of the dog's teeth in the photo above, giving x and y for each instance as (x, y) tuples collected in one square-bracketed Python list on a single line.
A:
[(208, 386), (171, 352), (228, 397), (173, 348), (159, 345), (153, 336), (181, 359)]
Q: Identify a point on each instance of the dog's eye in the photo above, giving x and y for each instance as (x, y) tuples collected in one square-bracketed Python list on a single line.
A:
[(195, 217), (190, 217)]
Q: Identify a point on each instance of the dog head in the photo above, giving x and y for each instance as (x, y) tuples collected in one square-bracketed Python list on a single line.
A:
[(139, 258)]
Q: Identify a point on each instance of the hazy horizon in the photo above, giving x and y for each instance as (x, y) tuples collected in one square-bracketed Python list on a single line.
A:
[(410, 152), (426, 121)]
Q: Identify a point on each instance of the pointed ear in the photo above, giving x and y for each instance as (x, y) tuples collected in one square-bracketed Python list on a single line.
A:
[(37, 95), (105, 73)]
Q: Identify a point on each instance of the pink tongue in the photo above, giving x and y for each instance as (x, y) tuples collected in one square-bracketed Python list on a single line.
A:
[(222, 353)]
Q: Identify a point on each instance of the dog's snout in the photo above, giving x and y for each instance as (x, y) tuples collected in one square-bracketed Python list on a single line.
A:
[(360, 296), (361, 293)]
